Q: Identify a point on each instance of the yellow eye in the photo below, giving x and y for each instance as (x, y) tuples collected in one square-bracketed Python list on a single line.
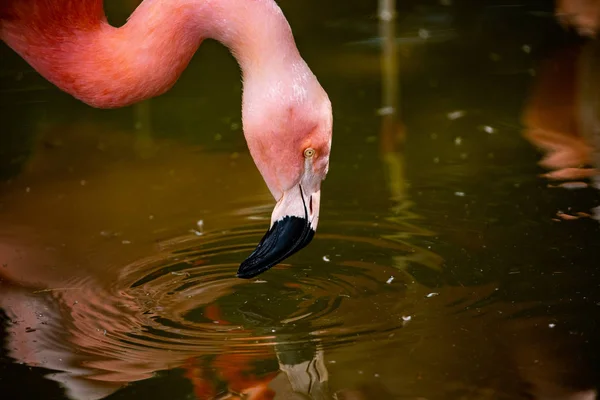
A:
[(309, 153)]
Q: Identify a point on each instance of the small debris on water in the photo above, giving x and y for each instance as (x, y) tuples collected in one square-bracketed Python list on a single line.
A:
[(488, 129), (458, 141), (551, 325), (326, 259), (432, 294), (151, 217), (386, 111), (109, 234), (200, 224), (390, 280), (260, 281), (455, 114), (83, 182), (27, 189), (459, 194), (195, 232), (126, 242), (185, 273)]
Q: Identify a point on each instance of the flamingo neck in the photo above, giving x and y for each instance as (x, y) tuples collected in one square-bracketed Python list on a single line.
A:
[(110, 67)]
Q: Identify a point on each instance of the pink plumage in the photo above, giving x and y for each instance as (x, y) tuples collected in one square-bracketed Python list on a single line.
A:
[(285, 111)]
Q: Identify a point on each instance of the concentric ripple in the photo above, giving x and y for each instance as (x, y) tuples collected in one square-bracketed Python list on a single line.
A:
[(191, 297), (185, 301), (188, 300)]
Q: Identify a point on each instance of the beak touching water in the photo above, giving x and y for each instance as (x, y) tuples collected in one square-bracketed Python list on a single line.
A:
[(293, 224)]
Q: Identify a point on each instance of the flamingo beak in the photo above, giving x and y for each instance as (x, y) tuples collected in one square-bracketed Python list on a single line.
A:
[(293, 224)]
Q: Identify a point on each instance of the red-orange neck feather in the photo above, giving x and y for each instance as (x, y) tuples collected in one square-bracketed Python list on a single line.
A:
[(56, 14), (70, 43)]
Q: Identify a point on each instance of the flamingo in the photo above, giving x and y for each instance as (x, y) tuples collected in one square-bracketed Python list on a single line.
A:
[(286, 114)]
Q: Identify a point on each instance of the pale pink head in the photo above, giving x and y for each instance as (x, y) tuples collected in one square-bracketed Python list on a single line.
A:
[(287, 122)]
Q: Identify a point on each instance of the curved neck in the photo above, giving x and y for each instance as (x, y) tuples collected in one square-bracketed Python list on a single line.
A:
[(113, 67)]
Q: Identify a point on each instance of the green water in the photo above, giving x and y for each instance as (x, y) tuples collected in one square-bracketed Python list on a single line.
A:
[(442, 268)]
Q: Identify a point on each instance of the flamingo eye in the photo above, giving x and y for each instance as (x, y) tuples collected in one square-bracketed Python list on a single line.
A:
[(309, 153)]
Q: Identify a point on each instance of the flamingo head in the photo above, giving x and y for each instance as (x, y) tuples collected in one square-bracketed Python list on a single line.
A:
[(288, 130)]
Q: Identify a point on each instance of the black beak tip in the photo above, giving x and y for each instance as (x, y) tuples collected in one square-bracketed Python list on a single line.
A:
[(248, 270), (285, 238)]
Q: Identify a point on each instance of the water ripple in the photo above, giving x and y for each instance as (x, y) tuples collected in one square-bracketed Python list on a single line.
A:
[(188, 300)]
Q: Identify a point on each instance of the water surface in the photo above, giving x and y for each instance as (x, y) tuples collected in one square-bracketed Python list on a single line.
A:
[(448, 264)]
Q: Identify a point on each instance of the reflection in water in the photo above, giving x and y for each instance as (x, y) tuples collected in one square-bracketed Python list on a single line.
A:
[(588, 101), (552, 118), (563, 115), (84, 299), (584, 15), (114, 327), (392, 140), (392, 130)]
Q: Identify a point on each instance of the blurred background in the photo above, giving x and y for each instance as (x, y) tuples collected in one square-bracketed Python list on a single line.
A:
[(457, 252)]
